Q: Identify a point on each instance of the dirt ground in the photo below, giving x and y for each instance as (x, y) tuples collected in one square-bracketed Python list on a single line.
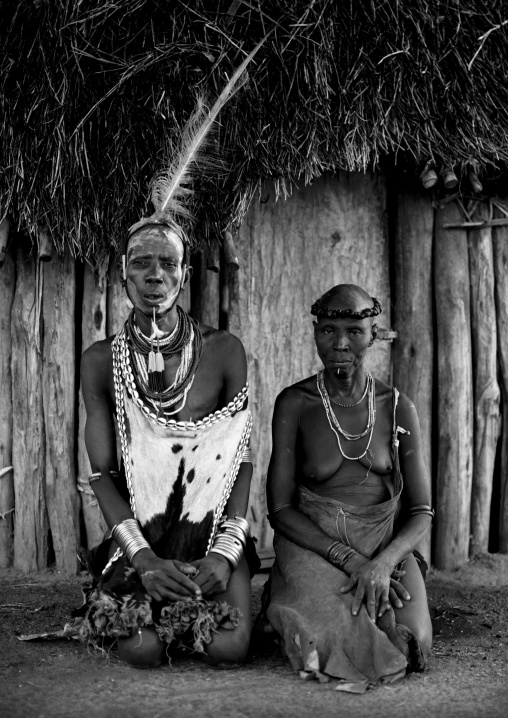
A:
[(467, 675)]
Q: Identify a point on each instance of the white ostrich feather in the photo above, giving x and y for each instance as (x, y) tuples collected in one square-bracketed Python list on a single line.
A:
[(172, 190)]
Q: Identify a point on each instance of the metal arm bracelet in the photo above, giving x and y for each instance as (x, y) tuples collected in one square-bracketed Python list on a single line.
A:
[(421, 509), (338, 554), (128, 536), (231, 540)]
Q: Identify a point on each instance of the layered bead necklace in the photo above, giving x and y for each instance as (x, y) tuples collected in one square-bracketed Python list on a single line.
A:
[(334, 422), (147, 359)]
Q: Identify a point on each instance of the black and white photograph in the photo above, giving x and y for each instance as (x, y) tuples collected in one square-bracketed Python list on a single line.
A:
[(254, 359)]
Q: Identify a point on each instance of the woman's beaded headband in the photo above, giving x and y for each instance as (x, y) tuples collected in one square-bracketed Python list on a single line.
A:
[(320, 309)]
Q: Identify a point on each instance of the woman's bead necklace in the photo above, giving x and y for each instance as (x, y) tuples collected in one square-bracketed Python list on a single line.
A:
[(350, 406), (334, 422)]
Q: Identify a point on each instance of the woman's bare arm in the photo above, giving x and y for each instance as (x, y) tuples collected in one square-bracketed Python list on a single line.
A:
[(372, 579), (281, 483), (416, 489)]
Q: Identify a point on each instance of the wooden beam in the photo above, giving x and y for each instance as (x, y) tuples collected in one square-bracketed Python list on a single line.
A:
[(28, 435), (7, 286), (209, 295), (117, 303), (413, 351), (487, 418), (455, 400), (93, 329), (500, 245), (59, 392)]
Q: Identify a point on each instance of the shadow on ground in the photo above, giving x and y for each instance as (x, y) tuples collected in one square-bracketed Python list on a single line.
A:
[(467, 675)]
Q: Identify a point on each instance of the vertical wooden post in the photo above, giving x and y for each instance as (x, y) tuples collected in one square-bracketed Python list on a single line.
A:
[(500, 243), (455, 410), (413, 350), (59, 392), (7, 286), (209, 296), (28, 437), (486, 388), (117, 302), (93, 329)]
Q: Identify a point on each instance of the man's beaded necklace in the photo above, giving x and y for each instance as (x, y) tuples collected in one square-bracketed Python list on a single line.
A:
[(186, 339), (334, 422)]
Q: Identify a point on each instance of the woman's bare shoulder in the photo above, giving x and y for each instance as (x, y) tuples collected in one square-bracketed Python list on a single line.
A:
[(293, 396)]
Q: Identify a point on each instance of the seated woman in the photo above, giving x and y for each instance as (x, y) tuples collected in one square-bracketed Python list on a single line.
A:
[(348, 497)]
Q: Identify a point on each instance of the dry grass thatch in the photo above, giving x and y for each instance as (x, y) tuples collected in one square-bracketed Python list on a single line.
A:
[(91, 89)]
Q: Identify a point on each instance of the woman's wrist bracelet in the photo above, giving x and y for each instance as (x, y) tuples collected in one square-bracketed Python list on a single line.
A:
[(338, 554)]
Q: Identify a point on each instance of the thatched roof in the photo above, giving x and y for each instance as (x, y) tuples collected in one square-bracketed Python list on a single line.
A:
[(91, 89)]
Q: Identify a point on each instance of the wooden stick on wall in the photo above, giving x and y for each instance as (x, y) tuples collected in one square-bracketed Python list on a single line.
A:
[(455, 400), (486, 388)]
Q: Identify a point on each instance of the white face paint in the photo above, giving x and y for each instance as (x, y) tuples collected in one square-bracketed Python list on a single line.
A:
[(154, 270)]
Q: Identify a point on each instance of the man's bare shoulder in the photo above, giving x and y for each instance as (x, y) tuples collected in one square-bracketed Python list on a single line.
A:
[(98, 353), (96, 365), (222, 343)]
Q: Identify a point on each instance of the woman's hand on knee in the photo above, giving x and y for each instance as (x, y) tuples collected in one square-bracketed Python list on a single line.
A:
[(214, 572), (375, 585)]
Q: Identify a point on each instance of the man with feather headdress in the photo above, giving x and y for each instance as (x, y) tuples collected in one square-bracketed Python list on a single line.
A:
[(176, 568)]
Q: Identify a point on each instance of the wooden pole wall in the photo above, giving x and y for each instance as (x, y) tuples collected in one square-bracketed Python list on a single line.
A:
[(7, 286), (486, 387), (455, 400), (413, 350), (290, 253), (28, 434)]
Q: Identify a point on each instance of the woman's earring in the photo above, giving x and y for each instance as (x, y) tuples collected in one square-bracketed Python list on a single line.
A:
[(124, 268)]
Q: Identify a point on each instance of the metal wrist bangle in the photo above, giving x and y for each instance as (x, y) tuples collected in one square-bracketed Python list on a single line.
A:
[(338, 554), (128, 536)]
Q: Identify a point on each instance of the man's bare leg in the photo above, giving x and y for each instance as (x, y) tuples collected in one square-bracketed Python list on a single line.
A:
[(232, 646)]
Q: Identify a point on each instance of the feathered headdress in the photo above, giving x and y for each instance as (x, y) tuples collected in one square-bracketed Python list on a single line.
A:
[(172, 191)]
